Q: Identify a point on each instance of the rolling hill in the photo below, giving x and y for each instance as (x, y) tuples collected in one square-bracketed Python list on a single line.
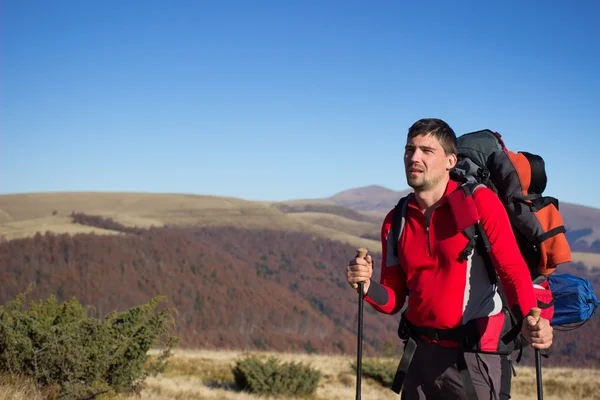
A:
[(22, 215)]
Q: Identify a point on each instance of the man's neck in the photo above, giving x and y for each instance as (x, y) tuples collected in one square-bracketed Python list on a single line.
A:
[(429, 198)]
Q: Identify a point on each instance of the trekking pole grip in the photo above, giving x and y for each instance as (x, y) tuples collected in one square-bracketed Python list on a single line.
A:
[(360, 253), (535, 313)]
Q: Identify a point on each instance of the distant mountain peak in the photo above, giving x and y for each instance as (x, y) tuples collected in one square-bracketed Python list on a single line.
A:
[(369, 198), (364, 190)]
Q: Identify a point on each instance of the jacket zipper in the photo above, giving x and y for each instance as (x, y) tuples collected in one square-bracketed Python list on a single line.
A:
[(427, 222)]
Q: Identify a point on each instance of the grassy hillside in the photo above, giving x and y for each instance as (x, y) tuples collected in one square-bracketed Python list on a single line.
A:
[(142, 209), (22, 215)]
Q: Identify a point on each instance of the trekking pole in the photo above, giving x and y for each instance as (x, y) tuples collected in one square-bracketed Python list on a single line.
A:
[(535, 312), (361, 253)]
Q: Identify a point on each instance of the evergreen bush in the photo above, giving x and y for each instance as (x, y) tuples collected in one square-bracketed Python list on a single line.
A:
[(381, 371), (273, 378), (77, 356)]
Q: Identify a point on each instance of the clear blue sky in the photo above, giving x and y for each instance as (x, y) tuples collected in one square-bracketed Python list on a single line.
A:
[(276, 100)]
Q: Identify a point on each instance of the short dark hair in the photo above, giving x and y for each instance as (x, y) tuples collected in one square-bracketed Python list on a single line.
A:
[(439, 129)]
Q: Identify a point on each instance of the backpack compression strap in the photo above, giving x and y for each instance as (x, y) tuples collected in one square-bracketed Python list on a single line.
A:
[(398, 222)]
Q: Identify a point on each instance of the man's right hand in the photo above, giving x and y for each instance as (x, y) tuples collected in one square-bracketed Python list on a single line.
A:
[(360, 270)]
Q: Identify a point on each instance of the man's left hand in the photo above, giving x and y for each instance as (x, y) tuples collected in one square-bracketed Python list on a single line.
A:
[(539, 333)]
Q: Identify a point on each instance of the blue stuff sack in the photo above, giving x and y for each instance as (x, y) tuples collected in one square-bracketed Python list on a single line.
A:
[(574, 300)]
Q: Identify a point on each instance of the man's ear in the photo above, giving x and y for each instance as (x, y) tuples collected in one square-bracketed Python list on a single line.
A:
[(452, 160)]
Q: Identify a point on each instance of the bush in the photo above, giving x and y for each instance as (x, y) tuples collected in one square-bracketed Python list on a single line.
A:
[(79, 357), (380, 371), (274, 378)]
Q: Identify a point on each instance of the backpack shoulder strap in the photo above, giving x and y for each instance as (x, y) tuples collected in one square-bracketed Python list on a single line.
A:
[(398, 219), (467, 219), (484, 247)]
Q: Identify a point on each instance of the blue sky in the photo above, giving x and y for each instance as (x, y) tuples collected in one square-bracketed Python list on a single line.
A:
[(277, 100)]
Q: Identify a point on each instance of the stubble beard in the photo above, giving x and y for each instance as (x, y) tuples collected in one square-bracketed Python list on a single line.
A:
[(423, 183)]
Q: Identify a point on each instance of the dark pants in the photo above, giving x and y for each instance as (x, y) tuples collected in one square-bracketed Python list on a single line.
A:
[(433, 374)]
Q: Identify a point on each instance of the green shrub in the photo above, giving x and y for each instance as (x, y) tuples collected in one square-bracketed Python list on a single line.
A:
[(79, 357), (378, 370), (275, 378)]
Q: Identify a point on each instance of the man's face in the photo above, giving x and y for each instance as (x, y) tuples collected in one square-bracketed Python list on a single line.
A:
[(426, 163)]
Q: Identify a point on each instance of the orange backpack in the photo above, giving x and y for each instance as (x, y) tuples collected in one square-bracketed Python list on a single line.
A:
[(519, 179)]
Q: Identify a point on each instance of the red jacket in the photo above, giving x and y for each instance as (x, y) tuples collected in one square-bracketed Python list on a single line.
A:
[(446, 291)]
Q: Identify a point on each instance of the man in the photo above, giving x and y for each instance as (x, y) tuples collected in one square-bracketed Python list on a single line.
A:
[(444, 291)]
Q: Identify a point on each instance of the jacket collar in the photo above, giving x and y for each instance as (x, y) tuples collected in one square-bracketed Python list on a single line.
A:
[(450, 187)]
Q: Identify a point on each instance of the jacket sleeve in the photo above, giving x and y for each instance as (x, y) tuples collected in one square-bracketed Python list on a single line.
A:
[(505, 254), (388, 295)]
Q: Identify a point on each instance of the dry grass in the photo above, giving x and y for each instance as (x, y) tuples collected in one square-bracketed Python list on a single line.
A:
[(27, 228), (207, 375), (204, 374), (146, 207), (379, 215), (18, 389), (355, 228), (559, 384)]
